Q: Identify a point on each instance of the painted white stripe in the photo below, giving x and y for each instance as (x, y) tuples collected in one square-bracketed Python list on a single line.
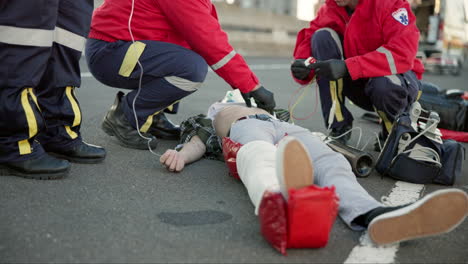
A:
[(223, 61), (390, 59), (255, 67), (69, 39), (26, 36), (366, 251)]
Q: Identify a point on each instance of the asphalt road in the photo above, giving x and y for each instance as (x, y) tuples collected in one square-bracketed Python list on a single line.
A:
[(130, 209)]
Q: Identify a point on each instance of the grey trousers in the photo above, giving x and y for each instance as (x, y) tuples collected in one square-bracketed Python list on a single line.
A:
[(330, 167)]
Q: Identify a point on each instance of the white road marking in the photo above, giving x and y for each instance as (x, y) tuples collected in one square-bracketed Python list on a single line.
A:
[(366, 251), (255, 67)]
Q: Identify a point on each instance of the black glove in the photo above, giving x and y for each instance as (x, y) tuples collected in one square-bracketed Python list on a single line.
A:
[(331, 69), (262, 97), (301, 68)]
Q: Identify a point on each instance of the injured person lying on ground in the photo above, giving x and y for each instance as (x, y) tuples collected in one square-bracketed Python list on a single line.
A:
[(297, 184)]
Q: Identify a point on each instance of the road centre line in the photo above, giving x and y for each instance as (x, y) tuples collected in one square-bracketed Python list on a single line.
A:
[(366, 251)]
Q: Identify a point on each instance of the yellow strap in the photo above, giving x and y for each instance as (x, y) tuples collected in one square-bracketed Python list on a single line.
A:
[(419, 95), (340, 89), (76, 108), (30, 117), (24, 147), (33, 96), (149, 120), (333, 91), (131, 58), (387, 123), (70, 132)]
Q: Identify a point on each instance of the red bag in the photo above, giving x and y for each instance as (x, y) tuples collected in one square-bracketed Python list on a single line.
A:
[(303, 222), (230, 149)]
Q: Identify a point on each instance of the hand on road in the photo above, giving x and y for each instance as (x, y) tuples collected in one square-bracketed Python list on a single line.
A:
[(173, 160)]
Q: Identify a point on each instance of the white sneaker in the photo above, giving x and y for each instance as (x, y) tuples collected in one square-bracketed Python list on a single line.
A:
[(293, 165), (437, 213)]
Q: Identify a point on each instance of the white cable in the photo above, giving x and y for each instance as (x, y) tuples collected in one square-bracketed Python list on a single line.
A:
[(347, 132), (436, 157), (139, 83), (369, 140)]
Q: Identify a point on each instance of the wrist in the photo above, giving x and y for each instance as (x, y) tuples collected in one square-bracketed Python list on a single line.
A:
[(256, 87)]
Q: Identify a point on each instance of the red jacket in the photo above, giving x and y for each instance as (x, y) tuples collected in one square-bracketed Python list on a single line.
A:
[(379, 39), (192, 24)]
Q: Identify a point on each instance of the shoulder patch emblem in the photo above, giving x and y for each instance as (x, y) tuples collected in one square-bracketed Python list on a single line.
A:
[(401, 15)]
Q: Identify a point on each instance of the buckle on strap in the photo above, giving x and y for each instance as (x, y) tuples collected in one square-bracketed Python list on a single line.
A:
[(263, 117)]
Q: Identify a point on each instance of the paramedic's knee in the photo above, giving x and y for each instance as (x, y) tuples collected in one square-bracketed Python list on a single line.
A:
[(388, 94), (326, 44)]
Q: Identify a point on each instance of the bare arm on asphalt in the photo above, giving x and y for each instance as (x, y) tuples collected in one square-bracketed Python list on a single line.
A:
[(192, 151)]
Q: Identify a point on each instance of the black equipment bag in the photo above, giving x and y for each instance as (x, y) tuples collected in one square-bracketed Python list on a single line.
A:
[(402, 166), (452, 109)]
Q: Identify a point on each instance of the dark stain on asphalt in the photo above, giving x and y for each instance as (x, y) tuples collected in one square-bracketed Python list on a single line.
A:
[(207, 217)]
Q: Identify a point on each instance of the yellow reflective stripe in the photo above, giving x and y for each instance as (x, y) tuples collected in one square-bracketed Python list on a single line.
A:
[(149, 120), (24, 147), (333, 91), (387, 123), (74, 105), (419, 95), (170, 108), (131, 58), (70, 132), (340, 89), (30, 117), (33, 96)]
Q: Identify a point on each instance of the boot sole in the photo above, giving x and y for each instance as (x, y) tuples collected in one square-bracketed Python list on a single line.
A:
[(437, 213), (78, 160), (109, 130), (294, 169), (7, 171)]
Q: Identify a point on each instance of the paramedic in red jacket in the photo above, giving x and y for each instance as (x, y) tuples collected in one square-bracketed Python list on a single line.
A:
[(175, 42), (366, 51)]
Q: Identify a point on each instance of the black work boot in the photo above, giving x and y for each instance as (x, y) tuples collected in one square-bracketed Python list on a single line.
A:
[(164, 128), (116, 124), (79, 153), (337, 134), (44, 167)]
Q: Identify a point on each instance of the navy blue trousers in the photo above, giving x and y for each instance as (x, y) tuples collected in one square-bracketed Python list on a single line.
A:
[(40, 47), (388, 95), (170, 73)]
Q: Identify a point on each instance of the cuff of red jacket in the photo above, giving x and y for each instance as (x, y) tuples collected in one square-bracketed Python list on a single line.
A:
[(354, 68)]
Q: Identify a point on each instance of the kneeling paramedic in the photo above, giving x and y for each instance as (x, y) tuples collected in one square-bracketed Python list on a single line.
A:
[(365, 51), (283, 176), (161, 50), (40, 46)]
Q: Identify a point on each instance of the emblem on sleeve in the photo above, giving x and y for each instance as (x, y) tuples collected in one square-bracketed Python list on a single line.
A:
[(401, 15)]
